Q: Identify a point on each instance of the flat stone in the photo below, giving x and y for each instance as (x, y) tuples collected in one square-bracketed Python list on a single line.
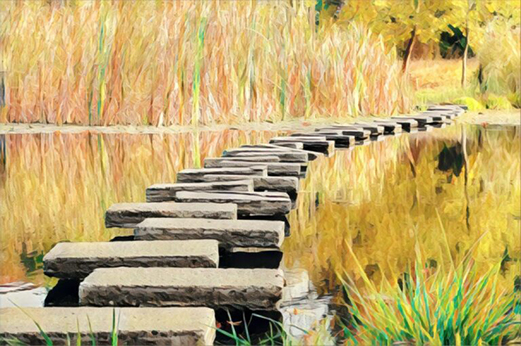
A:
[(297, 285), (77, 260), (136, 326), (197, 175), (389, 126), (229, 233), (422, 120), (166, 192), (317, 143), (280, 184), (274, 168), (440, 116), (292, 145), (260, 158), (312, 155), (255, 289), (247, 205), (128, 215), (341, 141), (375, 129), (407, 124), (284, 154), (457, 110), (357, 132)]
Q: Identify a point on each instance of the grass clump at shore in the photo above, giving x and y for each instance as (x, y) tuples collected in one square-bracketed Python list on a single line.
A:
[(189, 62)]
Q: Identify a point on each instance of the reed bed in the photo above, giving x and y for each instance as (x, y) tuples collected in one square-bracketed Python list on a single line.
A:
[(189, 62)]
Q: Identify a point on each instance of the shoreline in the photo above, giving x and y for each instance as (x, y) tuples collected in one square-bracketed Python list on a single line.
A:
[(489, 117)]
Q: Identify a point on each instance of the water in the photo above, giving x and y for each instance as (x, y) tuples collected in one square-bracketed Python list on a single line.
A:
[(374, 208)]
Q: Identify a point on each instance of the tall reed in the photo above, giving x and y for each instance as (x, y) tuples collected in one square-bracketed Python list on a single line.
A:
[(189, 62)]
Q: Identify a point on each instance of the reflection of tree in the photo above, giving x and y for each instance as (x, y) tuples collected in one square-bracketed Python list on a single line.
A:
[(451, 159)]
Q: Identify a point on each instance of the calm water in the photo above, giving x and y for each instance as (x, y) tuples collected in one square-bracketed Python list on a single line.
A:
[(378, 202)]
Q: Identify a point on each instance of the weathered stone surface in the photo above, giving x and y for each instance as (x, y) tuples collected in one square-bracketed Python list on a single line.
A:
[(283, 154), (197, 175), (136, 326), (280, 184), (312, 155), (341, 141), (457, 110), (256, 289), (297, 284), (357, 132), (375, 129), (317, 143), (389, 126), (229, 233), (407, 124), (77, 260), (166, 192), (247, 205), (422, 120), (128, 215), (440, 116), (274, 168), (259, 158)]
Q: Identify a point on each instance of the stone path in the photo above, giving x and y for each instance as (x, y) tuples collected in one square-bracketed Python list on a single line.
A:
[(207, 242)]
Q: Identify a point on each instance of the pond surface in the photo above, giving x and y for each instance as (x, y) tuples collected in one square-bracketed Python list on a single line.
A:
[(385, 203)]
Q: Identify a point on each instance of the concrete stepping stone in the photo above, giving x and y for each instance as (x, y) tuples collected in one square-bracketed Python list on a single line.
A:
[(390, 127), (77, 260), (284, 155), (458, 110), (288, 185), (229, 233), (247, 205), (357, 132), (407, 124), (440, 116), (318, 143), (128, 215), (274, 168), (341, 141), (135, 326), (292, 145), (255, 289), (312, 155), (166, 192), (421, 120), (197, 175), (375, 129)]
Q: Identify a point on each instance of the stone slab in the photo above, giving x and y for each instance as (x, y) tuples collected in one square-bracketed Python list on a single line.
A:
[(422, 120), (77, 260), (274, 168), (375, 129), (312, 155), (255, 289), (195, 175), (292, 145), (229, 233), (128, 215), (247, 205), (357, 132), (166, 192), (319, 143), (341, 141), (136, 326), (283, 154), (389, 126)]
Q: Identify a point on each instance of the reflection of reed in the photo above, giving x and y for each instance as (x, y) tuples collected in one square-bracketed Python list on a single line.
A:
[(57, 186), (366, 197)]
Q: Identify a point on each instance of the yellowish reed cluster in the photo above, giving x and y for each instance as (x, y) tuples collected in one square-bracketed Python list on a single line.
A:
[(189, 62)]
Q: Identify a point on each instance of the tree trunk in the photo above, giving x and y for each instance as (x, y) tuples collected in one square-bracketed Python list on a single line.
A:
[(408, 50), (465, 55)]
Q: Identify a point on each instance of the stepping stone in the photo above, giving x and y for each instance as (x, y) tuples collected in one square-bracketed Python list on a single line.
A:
[(422, 120), (229, 233), (341, 141), (274, 168), (317, 143), (280, 184), (312, 155), (135, 326), (297, 284), (197, 175), (77, 260), (128, 215), (255, 289), (284, 155), (375, 129), (458, 110), (166, 192), (356, 132), (407, 124), (292, 145), (441, 116), (389, 126), (247, 205)]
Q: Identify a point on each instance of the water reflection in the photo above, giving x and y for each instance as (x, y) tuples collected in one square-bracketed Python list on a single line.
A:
[(451, 193)]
